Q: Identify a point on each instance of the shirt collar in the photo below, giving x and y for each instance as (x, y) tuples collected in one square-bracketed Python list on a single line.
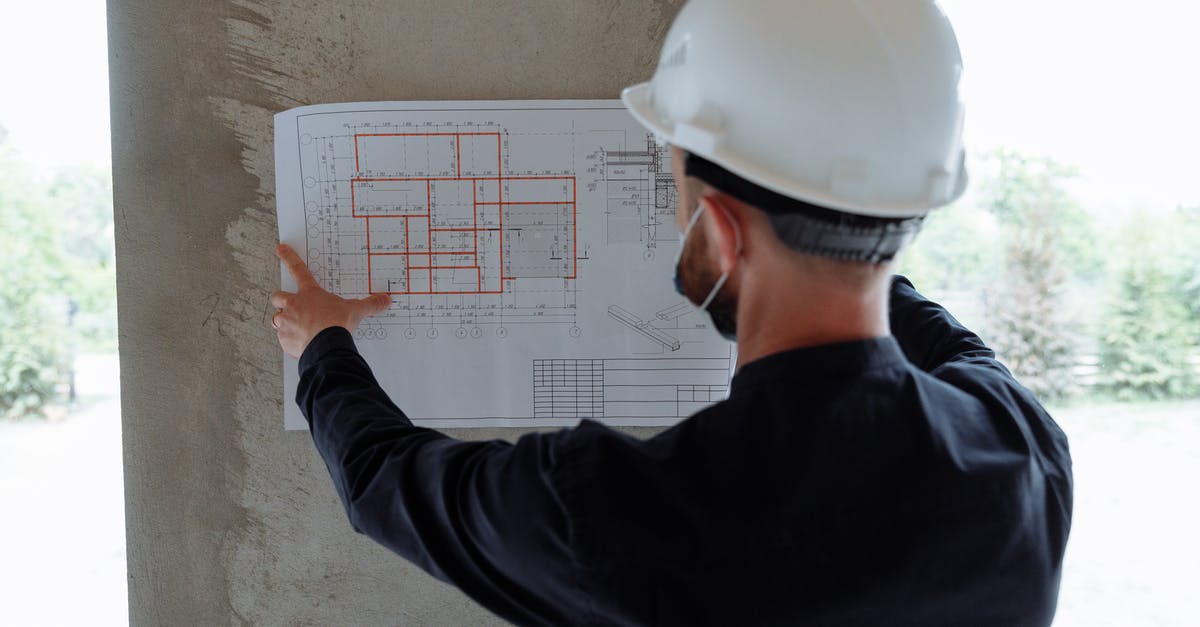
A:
[(827, 360)]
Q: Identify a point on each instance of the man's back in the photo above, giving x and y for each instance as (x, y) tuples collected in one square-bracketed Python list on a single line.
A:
[(874, 463), (905, 480)]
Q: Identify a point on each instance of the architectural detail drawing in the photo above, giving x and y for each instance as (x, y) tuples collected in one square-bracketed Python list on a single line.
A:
[(503, 232)]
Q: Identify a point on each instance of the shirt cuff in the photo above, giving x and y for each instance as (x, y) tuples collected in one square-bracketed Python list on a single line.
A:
[(325, 342)]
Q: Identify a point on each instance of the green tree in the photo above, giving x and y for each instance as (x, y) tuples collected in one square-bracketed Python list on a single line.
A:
[(82, 199), (1151, 324), (958, 249), (1027, 193), (1149, 330), (32, 312), (1044, 245), (1186, 231)]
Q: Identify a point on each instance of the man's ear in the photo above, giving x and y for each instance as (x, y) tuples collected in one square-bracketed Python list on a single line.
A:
[(724, 230)]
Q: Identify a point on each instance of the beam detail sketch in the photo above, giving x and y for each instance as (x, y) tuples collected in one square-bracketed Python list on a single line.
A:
[(527, 247)]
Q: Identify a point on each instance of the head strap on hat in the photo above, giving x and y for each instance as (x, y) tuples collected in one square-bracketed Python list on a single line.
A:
[(809, 228)]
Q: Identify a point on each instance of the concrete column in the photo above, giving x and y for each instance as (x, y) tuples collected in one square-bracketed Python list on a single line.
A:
[(229, 518)]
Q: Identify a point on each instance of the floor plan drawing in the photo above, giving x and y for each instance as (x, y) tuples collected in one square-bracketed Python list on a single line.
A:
[(504, 232), (438, 234)]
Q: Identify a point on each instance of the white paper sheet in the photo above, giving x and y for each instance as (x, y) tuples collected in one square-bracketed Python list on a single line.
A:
[(528, 248)]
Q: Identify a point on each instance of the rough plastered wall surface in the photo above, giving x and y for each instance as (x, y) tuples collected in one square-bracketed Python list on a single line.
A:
[(230, 519)]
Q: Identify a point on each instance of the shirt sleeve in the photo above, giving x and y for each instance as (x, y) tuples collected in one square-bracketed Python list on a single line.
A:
[(937, 343), (484, 516), (930, 337)]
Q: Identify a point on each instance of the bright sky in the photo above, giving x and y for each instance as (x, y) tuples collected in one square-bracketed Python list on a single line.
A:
[(54, 73), (1105, 85)]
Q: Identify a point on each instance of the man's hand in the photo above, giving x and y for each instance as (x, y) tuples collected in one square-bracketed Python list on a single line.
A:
[(301, 316)]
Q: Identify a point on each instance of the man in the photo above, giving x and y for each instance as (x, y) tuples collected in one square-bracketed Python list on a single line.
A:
[(874, 463)]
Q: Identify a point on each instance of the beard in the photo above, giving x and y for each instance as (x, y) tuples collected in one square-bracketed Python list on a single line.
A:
[(697, 276)]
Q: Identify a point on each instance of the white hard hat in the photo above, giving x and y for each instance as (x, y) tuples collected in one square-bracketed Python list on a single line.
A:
[(850, 105)]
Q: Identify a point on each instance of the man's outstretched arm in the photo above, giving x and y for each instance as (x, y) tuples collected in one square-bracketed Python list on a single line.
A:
[(929, 335), (484, 516)]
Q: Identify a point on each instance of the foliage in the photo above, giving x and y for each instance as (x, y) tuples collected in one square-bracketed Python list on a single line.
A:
[(1150, 329), (31, 348), (1186, 233), (82, 197), (1032, 193), (57, 285), (1041, 225), (958, 249), (1040, 267)]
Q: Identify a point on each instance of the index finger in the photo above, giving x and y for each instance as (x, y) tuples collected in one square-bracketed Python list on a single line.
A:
[(295, 266)]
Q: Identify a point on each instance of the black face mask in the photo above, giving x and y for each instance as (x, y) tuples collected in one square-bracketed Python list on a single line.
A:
[(723, 312)]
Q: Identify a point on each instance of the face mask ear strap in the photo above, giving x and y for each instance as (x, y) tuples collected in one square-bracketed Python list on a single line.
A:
[(695, 218), (737, 230), (715, 290)]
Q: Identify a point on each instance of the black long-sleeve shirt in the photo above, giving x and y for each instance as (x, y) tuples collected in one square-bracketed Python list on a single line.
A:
[(907, 480)]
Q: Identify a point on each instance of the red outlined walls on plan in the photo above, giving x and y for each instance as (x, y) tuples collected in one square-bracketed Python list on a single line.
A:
[(526, 248), (461, 226)]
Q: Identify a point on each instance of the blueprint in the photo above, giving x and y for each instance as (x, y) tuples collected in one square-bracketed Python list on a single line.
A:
[(527, 247)]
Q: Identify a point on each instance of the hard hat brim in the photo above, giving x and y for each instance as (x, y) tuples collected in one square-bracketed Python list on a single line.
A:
[(638, 99)]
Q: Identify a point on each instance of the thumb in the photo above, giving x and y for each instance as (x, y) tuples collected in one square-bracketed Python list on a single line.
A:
[(373, 304)]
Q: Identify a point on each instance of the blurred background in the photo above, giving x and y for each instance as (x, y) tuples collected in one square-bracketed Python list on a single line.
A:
[(62, 523), (1074, 255)]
